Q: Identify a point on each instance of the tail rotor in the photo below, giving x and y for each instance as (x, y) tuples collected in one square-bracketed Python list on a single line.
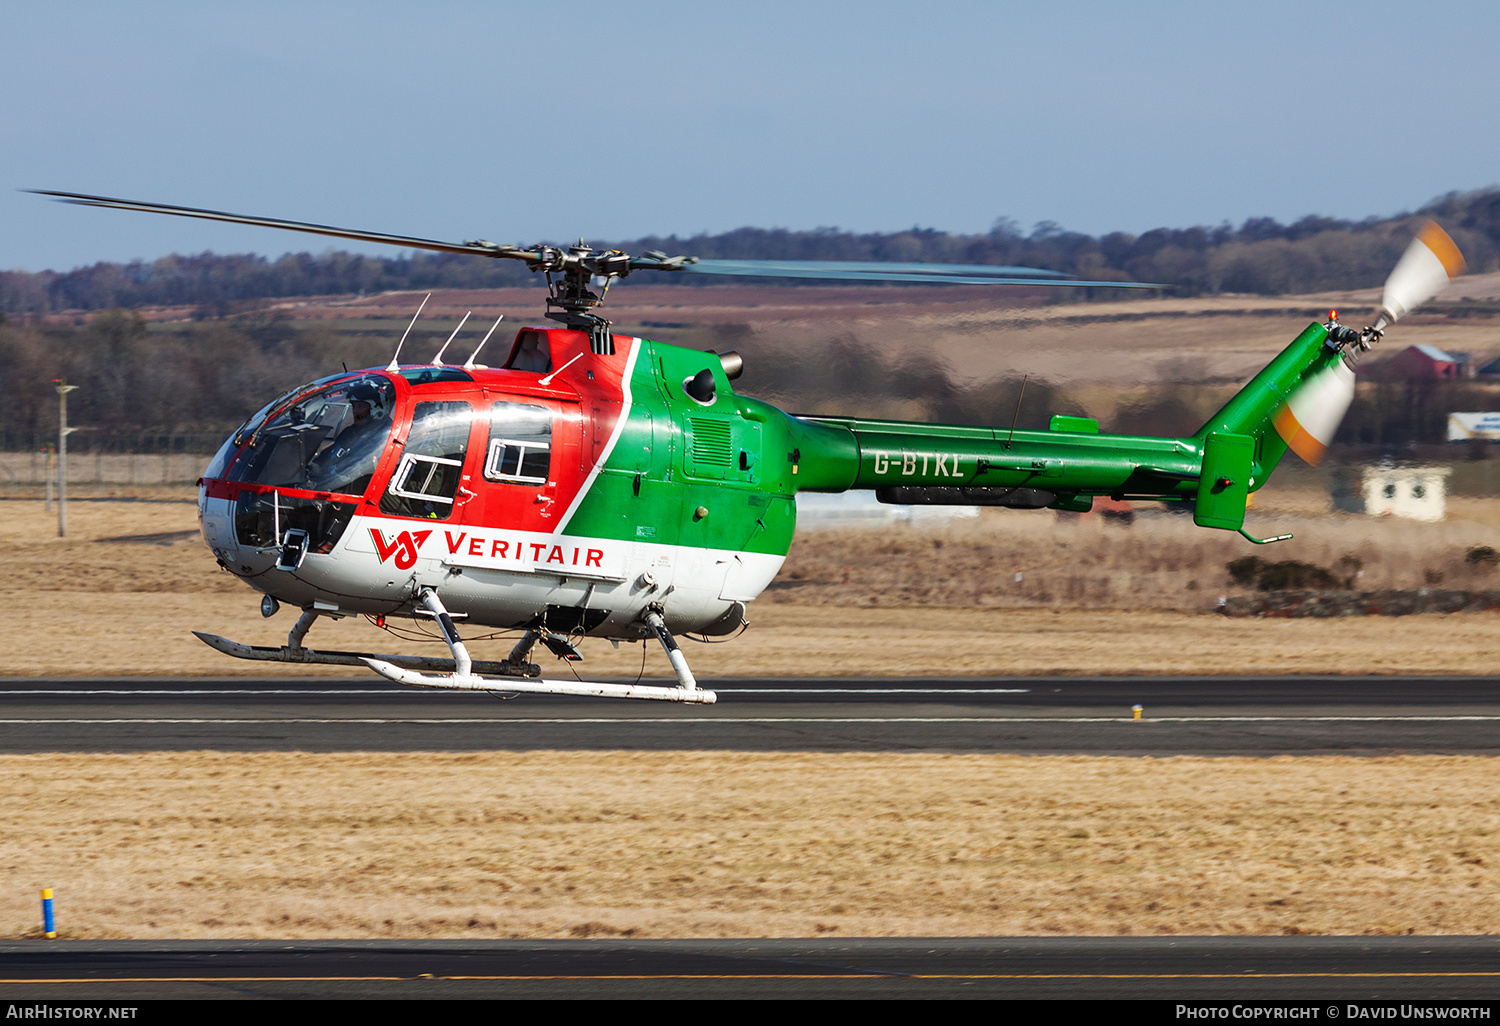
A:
[(1310, 417), (1425, 269)]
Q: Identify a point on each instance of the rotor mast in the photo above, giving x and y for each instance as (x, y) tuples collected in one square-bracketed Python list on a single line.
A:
[(571, 299), (572, 302)]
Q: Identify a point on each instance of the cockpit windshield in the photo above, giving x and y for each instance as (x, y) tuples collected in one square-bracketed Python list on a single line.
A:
[(327, 439)]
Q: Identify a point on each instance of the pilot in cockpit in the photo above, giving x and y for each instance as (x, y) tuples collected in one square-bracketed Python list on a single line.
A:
[(353, 454)]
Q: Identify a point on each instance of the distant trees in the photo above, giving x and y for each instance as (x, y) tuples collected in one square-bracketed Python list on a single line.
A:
[(169, 378), (1262, 256), (216, 282), (211, 373), (207, 376)]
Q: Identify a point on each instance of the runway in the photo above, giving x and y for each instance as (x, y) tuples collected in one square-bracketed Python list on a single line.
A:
[(1049, 715), (1200, 716), (1275, 970)]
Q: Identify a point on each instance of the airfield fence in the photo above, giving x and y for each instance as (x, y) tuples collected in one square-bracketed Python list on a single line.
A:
[(108, 458)]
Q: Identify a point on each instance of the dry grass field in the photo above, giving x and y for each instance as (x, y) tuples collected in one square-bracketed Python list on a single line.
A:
[(698, 844), (206, 844), (1094, 598)]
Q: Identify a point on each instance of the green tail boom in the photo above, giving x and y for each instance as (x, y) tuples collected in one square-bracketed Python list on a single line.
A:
[(1066, 466)]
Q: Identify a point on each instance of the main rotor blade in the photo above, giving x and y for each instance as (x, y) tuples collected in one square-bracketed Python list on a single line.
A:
[(946, 274), (881, 267), (831, 270), (297, 226)]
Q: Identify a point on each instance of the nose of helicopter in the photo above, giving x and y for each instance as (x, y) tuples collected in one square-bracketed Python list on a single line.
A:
[(216, 524), (216, 511)]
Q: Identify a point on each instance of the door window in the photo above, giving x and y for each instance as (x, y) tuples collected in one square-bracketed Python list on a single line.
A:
[(520, 449)]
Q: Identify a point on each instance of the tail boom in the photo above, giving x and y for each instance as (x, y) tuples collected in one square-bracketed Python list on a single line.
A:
[(1293, 401)]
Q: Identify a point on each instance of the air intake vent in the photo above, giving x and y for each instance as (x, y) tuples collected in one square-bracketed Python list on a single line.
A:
[(711, 446)]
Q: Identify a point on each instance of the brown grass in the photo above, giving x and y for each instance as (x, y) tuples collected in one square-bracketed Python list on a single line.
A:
[(924, 602), (1159, 562), (693, 844)]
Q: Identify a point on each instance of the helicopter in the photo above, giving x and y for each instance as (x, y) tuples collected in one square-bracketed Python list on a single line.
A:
[(603, 485)]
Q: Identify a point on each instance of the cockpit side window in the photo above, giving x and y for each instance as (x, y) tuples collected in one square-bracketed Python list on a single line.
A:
[(432, 462), (328, 440), (520, 450)]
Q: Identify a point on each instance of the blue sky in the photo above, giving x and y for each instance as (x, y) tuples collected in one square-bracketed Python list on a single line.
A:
[(532, 121)]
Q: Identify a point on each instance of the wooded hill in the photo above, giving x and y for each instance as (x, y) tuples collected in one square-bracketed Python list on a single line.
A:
[(1261, 256)]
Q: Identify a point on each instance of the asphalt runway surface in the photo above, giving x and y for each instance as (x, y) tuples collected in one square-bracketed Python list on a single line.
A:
[(1312, 970), (1054, 715), (1047, 715)]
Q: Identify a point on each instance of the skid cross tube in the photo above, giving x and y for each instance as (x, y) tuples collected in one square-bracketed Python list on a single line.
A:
[(462, 664), (298, 633), (674, 654)]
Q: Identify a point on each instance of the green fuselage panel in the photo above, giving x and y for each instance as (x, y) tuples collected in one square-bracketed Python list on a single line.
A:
[(682, 472)]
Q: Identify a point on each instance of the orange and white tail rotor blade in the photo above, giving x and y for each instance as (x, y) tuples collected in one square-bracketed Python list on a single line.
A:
[(1313, 412), (1428, 265)]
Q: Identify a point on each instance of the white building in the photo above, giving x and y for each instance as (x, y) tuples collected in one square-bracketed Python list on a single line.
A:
[(860, 509), (1416, 493)]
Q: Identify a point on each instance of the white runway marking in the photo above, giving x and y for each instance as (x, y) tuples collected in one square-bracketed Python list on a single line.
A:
[(706, 720), (500, 687), (209, 691), (873, 691)]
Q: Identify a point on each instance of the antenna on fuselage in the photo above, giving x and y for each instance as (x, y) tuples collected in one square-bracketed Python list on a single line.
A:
[(437, 361), (1017, 417), (548, 379), (392, 368), (469, 363)]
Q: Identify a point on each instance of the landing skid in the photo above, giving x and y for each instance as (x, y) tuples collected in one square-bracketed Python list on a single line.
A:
[(284, 654), (461, 673), (536, 686)]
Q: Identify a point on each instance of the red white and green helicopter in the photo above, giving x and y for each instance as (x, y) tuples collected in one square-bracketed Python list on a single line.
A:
[(611, 486)]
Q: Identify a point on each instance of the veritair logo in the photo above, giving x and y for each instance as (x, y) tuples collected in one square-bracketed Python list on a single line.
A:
[(404, 546)]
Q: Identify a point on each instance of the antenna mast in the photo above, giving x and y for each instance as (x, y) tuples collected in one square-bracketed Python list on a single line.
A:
[(469, 363), (437, 361), (393, 367), (1018, 411)]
